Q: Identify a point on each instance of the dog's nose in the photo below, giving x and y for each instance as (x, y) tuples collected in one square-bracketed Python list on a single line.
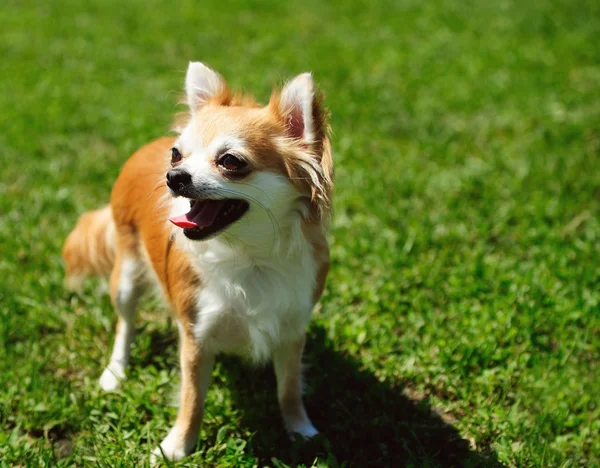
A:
[(178, 179)]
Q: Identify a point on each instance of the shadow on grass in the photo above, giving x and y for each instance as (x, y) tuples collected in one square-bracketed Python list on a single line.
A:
[(364, 422), (162, 350)]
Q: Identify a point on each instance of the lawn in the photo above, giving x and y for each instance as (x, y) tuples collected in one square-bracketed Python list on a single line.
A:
[(461, 321)]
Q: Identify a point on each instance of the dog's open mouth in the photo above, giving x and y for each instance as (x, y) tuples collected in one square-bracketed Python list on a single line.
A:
[(207, 217)]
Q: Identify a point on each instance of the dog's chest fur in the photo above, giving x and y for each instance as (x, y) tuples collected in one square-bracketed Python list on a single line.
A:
[(247, 306)]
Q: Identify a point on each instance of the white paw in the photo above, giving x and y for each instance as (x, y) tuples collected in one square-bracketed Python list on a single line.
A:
[(173, 448), (305, 430), (111, 379)]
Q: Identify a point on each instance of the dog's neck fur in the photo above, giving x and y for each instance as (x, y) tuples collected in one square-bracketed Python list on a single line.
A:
[(269, 283)]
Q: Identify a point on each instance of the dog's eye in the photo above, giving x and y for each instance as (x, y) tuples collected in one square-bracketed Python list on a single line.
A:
[(230, 163), (175, 156)]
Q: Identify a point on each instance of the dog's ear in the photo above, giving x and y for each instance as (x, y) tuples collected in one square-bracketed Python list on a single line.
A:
[(296, 105), (203, 85), (300, 108)]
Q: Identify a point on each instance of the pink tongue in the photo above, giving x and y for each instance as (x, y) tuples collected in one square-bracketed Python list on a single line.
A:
[(202, 214)]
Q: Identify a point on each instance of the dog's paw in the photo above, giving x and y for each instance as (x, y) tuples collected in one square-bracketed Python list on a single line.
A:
[(305, 431), (111, 379), (173, 448)]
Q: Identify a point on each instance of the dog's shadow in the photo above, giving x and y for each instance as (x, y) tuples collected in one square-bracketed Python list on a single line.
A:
[(364, 422)]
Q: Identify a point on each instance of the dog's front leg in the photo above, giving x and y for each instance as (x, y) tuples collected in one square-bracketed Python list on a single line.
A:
[(287, 361), (196, 370)]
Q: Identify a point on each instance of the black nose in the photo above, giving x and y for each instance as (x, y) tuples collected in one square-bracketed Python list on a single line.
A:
[(178, 179)]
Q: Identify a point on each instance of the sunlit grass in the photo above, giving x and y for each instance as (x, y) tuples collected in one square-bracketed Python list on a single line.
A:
[(461, 321)]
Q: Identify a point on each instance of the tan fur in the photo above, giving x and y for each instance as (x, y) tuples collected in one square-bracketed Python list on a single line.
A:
[(141, 222), (90, 250)]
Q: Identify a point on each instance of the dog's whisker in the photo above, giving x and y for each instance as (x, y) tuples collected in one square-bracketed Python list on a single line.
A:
[(276, 235), (256, 188)]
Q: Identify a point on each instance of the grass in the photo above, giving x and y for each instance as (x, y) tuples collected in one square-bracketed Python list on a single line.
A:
[(461, 323)]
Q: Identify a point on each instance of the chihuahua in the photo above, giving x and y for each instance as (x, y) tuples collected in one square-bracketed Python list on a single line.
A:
[(228, 220)]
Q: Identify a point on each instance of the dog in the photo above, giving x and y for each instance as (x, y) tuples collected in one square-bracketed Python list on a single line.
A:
[(229, 220)]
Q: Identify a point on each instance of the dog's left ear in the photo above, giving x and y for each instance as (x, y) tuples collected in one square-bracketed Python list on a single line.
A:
[(203, 85), (296, 106), (300, 108)]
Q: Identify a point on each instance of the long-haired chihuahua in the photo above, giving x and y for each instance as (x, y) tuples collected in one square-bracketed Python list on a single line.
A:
[(229, 221)]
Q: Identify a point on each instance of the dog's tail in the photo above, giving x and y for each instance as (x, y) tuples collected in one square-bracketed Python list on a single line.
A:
[(90, 248)]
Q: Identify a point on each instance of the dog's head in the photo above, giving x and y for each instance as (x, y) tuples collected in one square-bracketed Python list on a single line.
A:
[(248, 170)]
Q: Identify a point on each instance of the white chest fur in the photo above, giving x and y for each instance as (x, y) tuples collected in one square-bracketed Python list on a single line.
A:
[(249, 306)]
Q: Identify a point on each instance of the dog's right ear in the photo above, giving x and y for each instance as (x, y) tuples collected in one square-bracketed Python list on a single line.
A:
[(203, 85)]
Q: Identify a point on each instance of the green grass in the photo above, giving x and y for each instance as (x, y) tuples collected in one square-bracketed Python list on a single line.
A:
[(461, 322)]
